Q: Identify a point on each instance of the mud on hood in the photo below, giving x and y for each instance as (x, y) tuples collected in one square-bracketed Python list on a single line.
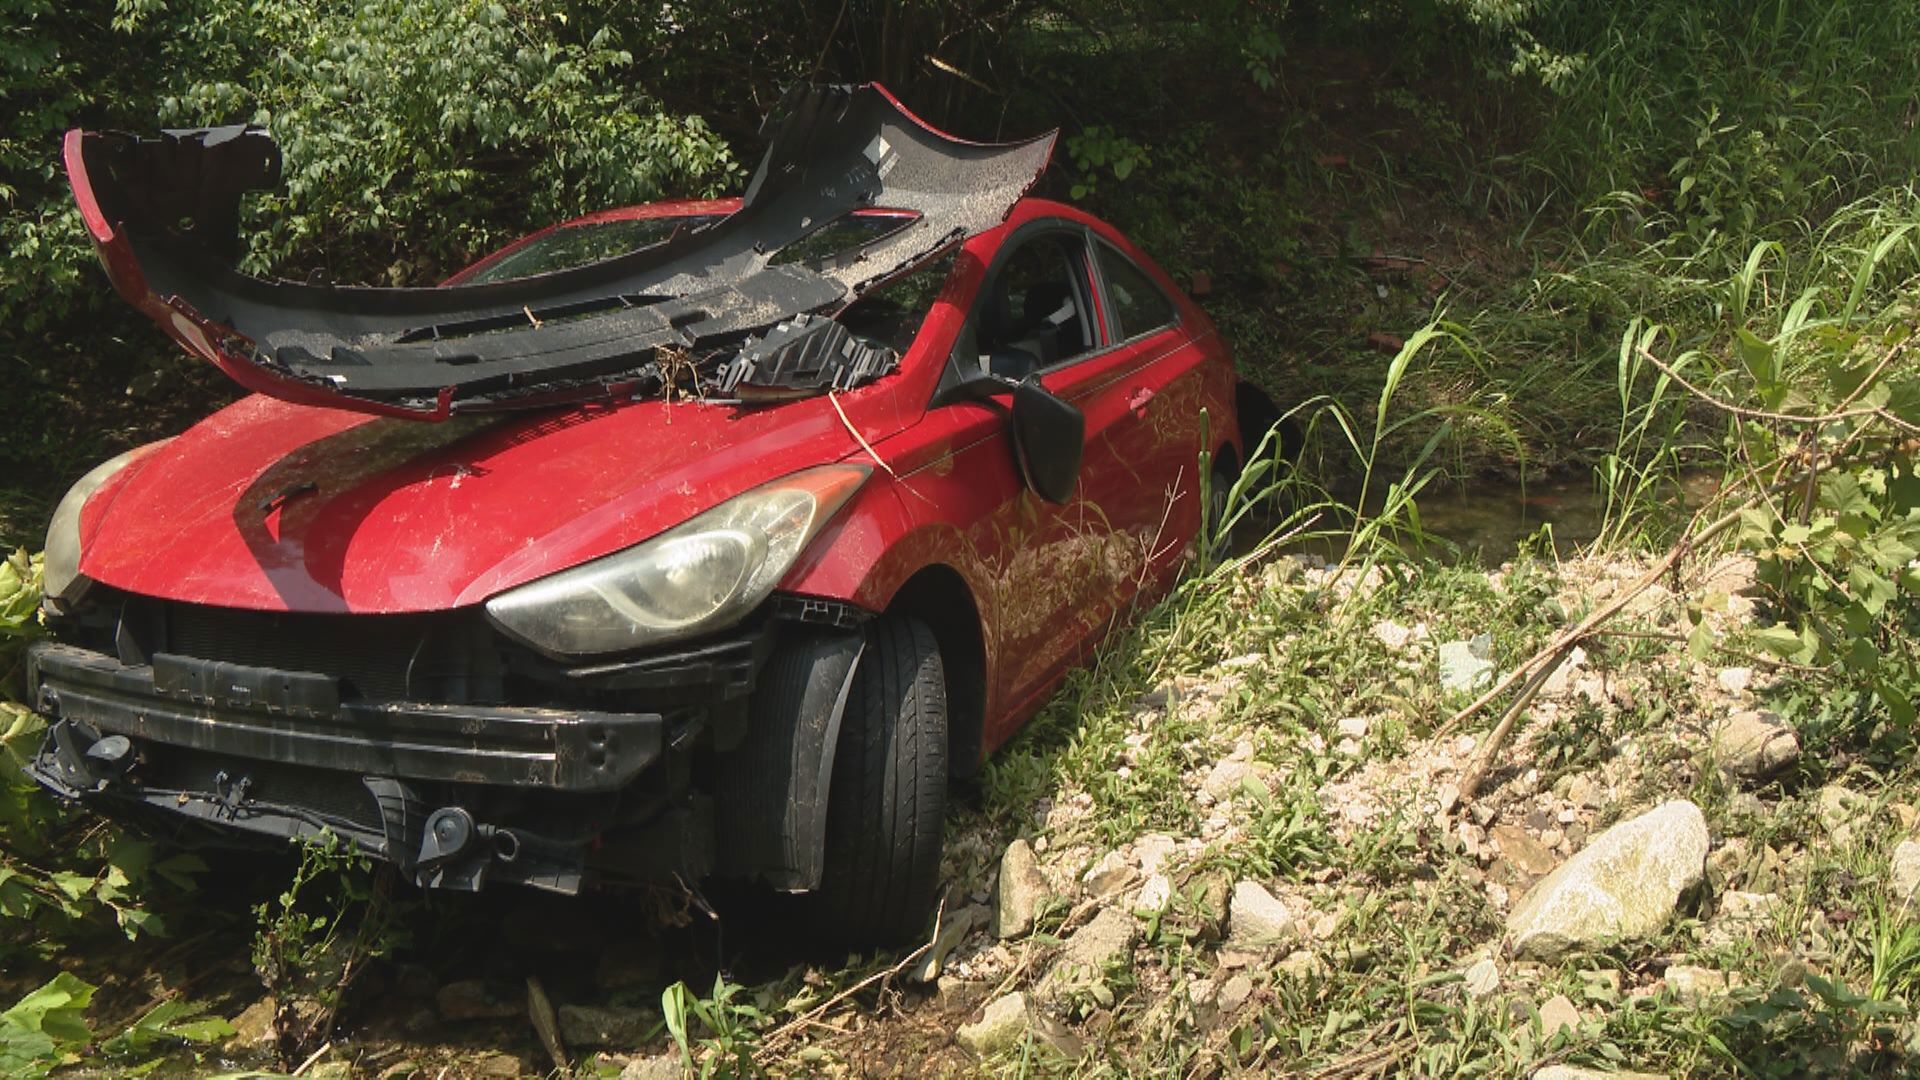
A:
[(164, 217)]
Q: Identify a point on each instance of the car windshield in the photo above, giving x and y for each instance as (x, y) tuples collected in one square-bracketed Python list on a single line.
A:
[(588, 242)]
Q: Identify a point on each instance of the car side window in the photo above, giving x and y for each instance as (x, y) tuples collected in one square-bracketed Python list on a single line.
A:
[(1034, 313), (1138, 305)]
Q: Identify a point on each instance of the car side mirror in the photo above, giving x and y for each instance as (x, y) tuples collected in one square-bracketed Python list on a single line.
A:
[(1049, 436)]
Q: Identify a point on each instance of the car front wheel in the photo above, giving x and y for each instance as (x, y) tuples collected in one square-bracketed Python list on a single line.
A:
[(886, 806)]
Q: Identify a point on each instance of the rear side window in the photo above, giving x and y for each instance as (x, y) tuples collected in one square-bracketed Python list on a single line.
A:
[(1138, 304)]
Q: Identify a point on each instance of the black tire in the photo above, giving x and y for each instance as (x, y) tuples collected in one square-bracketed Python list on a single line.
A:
[(886, 808)]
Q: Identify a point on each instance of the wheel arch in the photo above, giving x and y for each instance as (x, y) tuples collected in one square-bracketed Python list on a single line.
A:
[(938, 596)]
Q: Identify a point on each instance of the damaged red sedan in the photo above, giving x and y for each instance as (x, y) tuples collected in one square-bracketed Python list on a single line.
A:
[(692, 540)]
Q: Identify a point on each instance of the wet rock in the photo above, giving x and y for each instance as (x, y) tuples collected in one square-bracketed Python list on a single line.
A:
[(1255, 918), (1482, 978), (474, 999), (654, 1067), (1625, 885), (1021, 892), (606, 1026), (1558, 1015), (1690, 983), (1753, 744), (1466, 666), (1010, 1021), (1903, 872), (254, 1025), (1526, 854)]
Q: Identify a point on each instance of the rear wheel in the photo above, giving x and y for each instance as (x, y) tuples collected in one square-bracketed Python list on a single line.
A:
[(886, 807)]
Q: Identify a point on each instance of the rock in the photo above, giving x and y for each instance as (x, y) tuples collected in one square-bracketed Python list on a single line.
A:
[(1108, 876), (497, 1066), (1021, 892), (1558, 1015), (1523, 851), (1088, 953), (473, 999), (1152, 851), (1753, 744), (1391, 634), (1154, 895), (1254, 917), (1560, 683), (606, 1026), (1466, 666), (1735, 680), (1352, 727), (1903, 872), (655, 1067), (1690, 983), (254, 1025), (1602, 982), (1302, 965), (953, 930), (1235, 993), (1626, 884), (1748, 907), (330, 1070), (1231, 779), (1009, 1022), (1482, 978), (1577, 1073), (1839, 808), (1584, 793)]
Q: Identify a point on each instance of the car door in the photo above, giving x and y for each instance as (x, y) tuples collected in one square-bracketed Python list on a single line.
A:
[(1066, 570)]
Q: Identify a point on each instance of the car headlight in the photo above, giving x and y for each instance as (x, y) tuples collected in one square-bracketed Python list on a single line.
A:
[(703, 575), (62, 575)]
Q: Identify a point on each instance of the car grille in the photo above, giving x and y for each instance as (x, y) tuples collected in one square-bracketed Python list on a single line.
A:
[(372, 655)]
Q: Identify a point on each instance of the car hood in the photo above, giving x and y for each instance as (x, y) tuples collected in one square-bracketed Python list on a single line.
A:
[(274, 506)]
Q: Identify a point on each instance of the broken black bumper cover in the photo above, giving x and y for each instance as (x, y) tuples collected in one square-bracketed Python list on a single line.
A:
[(278, 754), (163, 214)]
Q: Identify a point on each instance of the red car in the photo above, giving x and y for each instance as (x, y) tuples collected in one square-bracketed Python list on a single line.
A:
[(705, 539)]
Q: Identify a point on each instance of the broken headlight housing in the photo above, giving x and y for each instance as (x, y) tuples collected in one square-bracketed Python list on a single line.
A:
[(63, 581), (701, 576)]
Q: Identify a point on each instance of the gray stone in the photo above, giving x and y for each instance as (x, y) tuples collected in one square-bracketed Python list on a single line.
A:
[(1009, 1022), (1690, 983), (1466, 666), (606, 1026), (497, 1066), (1256, 918), (1235, 993), (953, 930), (473, 999), (1558, 1015), (1154, 895), (1089, 952), (1903, 871), (1753, 744), (1625, 885), (656, 1067), (1482, 978), (1021, 892)]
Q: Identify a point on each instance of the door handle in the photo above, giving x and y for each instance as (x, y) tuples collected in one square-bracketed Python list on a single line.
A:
[(1137, 401)]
